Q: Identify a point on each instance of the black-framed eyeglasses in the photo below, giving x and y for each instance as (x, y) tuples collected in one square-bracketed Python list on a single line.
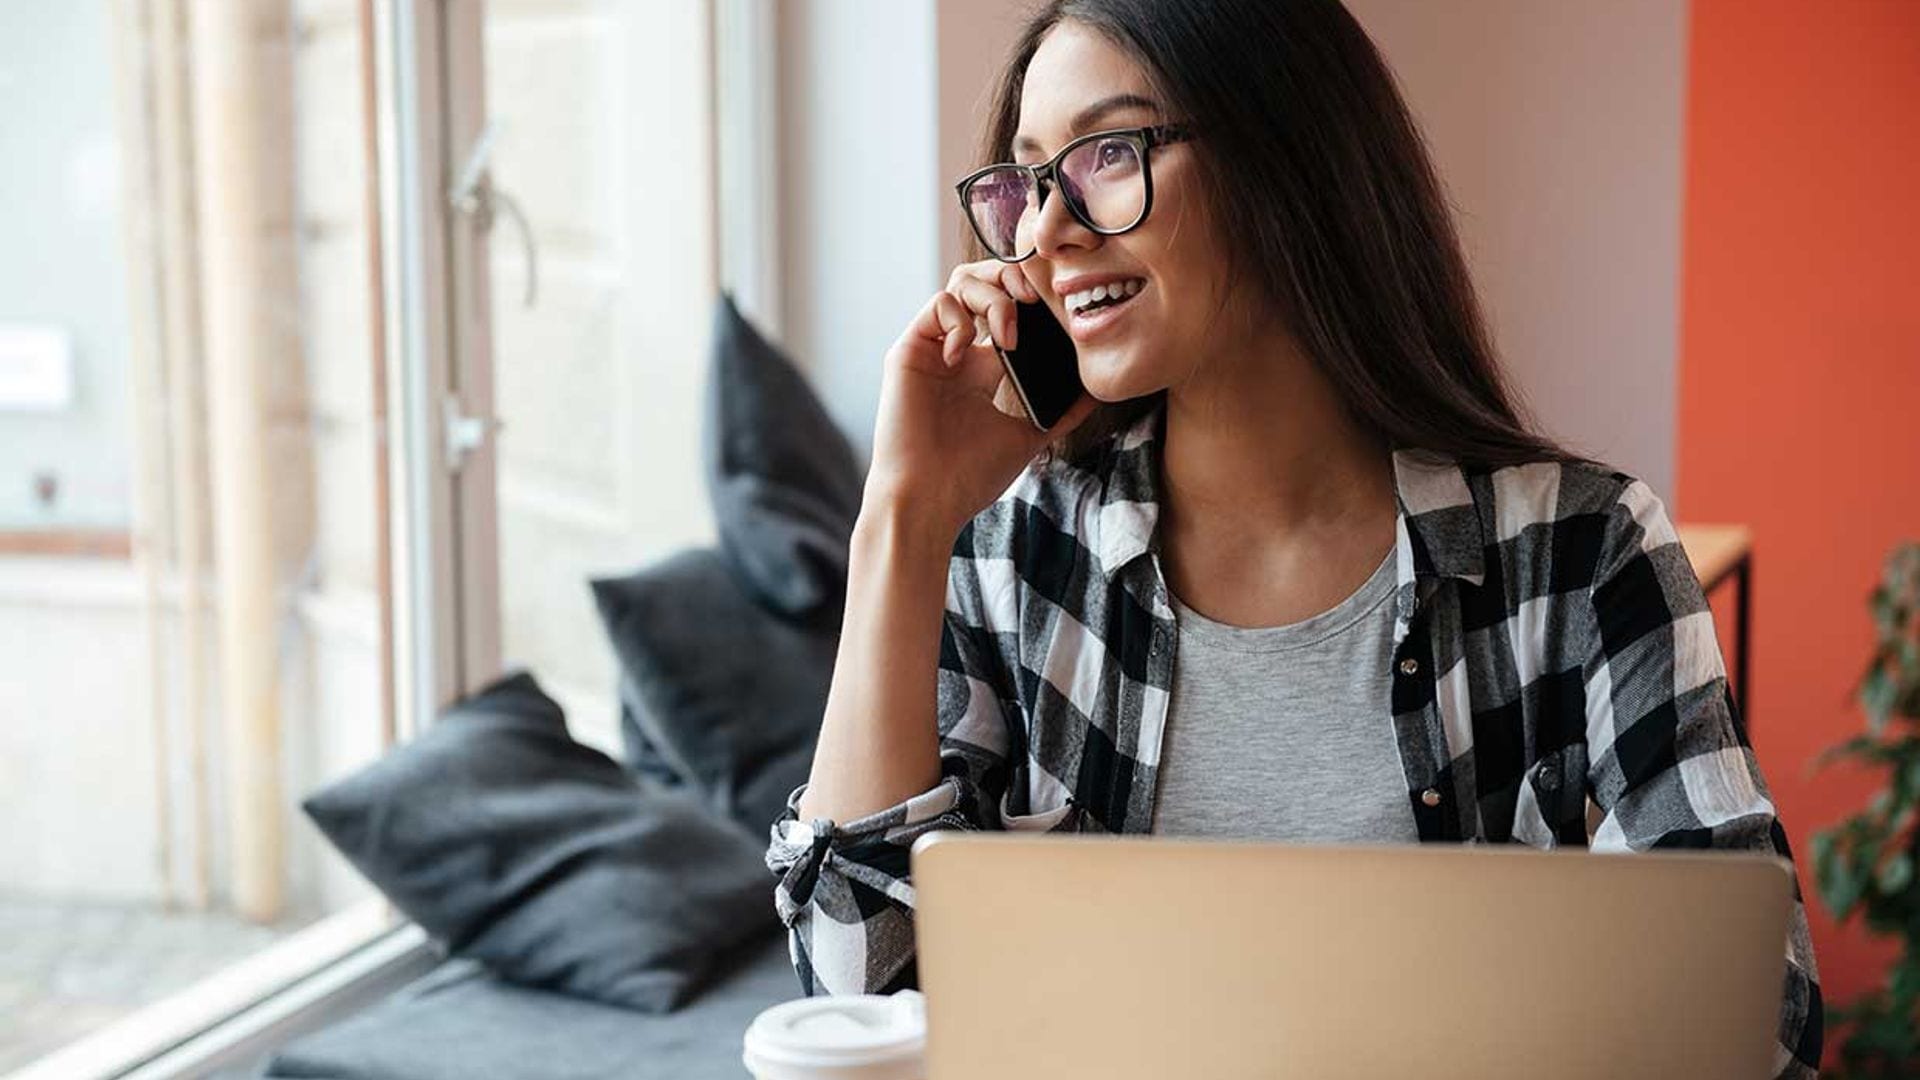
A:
[(1104, 176)]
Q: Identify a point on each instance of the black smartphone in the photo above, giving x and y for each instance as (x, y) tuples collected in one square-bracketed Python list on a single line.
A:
[(1045, 368)]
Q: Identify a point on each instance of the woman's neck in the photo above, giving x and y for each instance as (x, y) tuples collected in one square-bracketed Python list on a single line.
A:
[(1276, 502), (1261, 438)]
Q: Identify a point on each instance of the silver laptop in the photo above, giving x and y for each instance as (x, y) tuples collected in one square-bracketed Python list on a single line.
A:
[(1133, 958)]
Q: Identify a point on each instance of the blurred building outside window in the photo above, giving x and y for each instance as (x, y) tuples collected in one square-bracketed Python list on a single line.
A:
[(224, 578)]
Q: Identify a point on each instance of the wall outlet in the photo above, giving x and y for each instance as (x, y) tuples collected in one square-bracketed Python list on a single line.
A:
[(36, 368)]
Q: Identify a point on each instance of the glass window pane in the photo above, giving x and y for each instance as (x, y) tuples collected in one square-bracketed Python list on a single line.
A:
[(189, 549), (603, 141)]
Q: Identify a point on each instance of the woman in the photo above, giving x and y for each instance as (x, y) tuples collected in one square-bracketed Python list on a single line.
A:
[(1294, 569)]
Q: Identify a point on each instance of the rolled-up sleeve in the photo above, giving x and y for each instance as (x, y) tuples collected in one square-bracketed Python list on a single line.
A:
[(1671, 765), (843, 889)]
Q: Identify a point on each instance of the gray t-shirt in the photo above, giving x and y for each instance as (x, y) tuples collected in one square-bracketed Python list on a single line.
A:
[(1285, 732)]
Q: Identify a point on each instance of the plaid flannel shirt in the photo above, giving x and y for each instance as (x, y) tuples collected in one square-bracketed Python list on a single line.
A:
[(1551, 645)]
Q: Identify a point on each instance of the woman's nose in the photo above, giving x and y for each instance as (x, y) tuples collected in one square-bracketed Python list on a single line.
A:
[(1056, 228)]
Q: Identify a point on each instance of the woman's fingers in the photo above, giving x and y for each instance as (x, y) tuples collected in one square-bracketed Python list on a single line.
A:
[(1013, 277), (926, 324), (956, 323), (945, 323), (979, 307), (983, 291)]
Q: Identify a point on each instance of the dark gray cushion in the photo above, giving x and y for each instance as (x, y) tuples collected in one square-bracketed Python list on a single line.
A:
[(784, 481), (514, 845), (459, 1023), (729, 694), (638, 750)]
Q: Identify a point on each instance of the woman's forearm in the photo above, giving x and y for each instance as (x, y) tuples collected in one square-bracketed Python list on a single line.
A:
[(879, 742)]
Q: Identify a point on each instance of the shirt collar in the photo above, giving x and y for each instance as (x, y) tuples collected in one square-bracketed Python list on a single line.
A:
[(1439, 531)]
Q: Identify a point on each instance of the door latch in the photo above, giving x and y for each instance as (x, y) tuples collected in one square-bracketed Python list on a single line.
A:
[(475, 195), (465, 434)]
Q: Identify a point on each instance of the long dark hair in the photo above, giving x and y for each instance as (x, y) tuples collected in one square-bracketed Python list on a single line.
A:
[(1310, 151)]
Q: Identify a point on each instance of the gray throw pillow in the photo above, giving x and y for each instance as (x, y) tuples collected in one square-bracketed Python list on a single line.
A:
[(783, 479), (641, 754), (729, 694), (514, 845)]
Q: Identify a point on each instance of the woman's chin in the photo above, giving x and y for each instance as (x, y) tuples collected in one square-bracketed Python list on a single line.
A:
[(1112, 378)]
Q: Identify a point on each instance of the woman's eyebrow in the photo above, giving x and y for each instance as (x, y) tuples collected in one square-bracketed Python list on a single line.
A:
[(1087, 117)]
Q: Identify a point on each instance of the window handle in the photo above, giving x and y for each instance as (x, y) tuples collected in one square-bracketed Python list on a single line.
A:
[(475, 195), (465, 434)]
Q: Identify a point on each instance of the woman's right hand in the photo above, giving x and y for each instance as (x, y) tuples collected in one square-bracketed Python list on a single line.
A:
[(951, 433)]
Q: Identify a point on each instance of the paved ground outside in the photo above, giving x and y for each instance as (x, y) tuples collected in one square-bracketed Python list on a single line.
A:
[(67, 969)]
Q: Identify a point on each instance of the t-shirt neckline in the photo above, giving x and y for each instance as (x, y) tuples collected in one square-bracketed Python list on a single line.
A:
[(1295, 635)]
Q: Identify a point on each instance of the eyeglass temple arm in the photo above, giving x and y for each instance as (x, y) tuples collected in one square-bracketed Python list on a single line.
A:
[(1166, 133)]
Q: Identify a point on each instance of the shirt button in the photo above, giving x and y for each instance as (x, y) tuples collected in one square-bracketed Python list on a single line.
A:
[(1429, 796), (1409, 666)]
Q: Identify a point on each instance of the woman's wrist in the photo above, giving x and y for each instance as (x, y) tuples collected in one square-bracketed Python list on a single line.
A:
[(903, 530)]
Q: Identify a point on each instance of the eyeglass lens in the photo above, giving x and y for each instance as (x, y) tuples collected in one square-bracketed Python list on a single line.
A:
[(1101, 178)]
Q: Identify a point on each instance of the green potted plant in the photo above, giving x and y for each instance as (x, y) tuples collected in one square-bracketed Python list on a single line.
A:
[(1865, 865)]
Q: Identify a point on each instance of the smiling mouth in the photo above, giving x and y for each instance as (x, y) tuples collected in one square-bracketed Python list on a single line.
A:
[(1098, 319), (1113, 294)]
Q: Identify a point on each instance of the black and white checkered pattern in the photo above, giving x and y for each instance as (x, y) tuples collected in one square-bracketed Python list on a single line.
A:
[(1551, 643)]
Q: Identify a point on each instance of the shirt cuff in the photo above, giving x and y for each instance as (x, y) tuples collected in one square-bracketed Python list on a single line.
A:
[(950, 804)]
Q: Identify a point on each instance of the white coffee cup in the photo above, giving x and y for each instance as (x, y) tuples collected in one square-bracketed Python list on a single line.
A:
[(855, 1037)]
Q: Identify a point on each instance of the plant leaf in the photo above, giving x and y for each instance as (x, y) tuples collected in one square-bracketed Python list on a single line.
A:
[(1895, 874)]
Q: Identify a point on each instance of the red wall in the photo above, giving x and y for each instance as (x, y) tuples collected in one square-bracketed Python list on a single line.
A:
[(1800, 365)]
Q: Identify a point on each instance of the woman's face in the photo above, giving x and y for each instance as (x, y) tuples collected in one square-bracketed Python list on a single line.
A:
[(1159, 336)]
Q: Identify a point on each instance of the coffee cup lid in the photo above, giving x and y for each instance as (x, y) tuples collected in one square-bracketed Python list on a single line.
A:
[(821, 1033)]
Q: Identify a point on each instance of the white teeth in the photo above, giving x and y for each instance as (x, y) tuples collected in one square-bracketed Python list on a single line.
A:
[(1104, 291)]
